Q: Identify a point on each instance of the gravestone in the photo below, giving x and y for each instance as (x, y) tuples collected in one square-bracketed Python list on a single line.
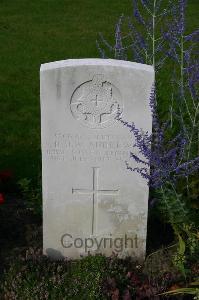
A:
[(91, 202)]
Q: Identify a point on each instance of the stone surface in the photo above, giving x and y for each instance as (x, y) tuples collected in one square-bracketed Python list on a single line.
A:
[(91, 202)]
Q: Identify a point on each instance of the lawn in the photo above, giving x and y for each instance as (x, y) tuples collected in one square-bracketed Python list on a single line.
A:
[(39, 31)]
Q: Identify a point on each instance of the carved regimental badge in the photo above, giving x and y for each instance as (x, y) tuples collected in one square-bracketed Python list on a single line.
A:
[(95, 103)]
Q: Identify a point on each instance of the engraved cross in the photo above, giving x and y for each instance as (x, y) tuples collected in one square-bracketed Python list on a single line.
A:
[(95, 191), (96, 100)]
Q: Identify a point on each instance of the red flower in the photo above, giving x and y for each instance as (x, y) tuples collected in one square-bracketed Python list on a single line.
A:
[(2, 199)]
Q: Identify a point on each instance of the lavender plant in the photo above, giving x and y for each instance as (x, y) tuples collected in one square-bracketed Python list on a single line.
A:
[(164, 157), (140, 39), (168, 155), (154, 35), (183, 51), (162, 163)]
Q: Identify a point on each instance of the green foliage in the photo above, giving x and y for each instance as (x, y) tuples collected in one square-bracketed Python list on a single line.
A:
[(188, 247), (179, 214), (192, 290), (86, 278), (32, 195), (194, 193), (160, 262), (179, 257), (34, 276), (172, 206)]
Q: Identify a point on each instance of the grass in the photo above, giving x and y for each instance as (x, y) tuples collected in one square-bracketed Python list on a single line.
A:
[(39, 31), (35, 32)]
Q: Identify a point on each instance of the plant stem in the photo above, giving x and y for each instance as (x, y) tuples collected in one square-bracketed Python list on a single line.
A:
[(153, 34)]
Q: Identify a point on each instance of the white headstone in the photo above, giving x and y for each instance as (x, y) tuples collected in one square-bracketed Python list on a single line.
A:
[(91, 202)]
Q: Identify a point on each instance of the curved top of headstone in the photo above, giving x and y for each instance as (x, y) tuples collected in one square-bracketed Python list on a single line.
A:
[(95, 61)]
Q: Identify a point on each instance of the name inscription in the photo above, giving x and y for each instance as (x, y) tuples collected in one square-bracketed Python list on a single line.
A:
[(88, 148)]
